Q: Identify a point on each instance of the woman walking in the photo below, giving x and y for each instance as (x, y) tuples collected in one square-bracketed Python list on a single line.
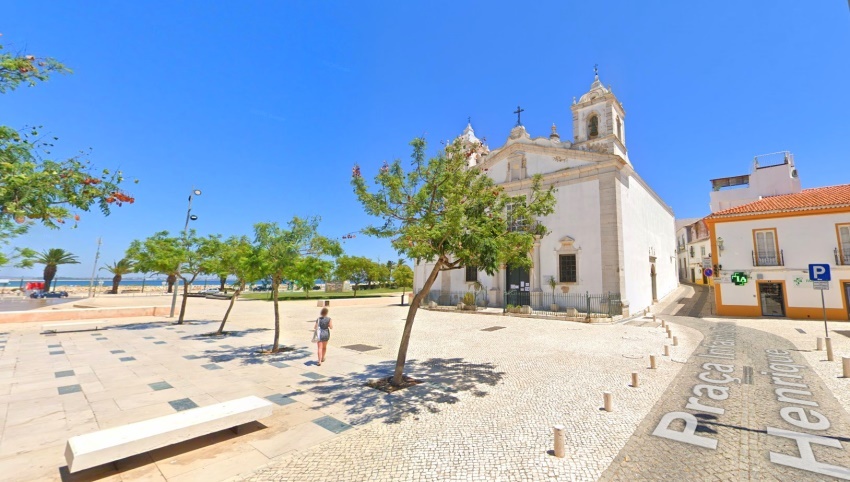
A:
[(323, 326)]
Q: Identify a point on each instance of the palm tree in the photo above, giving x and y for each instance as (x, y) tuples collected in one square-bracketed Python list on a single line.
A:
[(119, 269), (51, 259)]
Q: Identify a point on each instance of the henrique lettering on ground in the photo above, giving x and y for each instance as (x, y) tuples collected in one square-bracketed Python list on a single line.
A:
[(714, 387), (791, 390)]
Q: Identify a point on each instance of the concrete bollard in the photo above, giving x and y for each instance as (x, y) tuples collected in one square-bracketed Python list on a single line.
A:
[(845, 362), (666, 350), (559, 441), (663, 324), (653, 317), (675, 341), (669, 333), (652, 362), (606, 401), (820, 344), (635, 378), (829, 356)]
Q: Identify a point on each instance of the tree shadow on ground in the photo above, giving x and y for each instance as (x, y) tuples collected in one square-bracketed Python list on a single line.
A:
[(252, 356), (445, 381), (155, 324)]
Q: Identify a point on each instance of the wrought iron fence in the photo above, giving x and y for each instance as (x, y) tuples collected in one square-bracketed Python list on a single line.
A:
[(842, 258), (776, 259), (578, 305), (453, 298)]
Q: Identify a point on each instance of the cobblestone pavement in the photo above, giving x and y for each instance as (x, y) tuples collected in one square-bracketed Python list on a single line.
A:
[(747, 406)]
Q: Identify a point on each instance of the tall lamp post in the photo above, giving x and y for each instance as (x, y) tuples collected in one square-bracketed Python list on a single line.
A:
[(189, 217)]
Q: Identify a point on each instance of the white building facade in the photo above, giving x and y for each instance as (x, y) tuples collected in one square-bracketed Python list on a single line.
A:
[(763, 249), (610, 232), (764, 180)]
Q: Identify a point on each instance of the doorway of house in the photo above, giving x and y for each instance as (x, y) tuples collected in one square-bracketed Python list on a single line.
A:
[(517, 281), (693, 276), (847, 298), (654, 287), (772, 299)]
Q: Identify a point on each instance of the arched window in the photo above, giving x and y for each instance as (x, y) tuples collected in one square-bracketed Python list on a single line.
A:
[(593, 127), (619, 129)]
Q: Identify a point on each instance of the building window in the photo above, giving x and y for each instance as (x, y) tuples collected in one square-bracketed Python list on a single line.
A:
[(702, 251), (767, 251), (567, 268), (844, 244), (593, 127), (514, 224), (471, 274), (619, 129)]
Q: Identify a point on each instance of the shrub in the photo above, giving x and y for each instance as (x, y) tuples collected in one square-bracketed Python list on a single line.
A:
[(469, 299)]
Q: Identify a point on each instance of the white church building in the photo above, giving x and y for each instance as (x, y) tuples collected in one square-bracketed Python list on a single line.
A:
[(609, 233)]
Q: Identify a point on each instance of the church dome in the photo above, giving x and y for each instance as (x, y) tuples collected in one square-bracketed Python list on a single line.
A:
[(596, 90)]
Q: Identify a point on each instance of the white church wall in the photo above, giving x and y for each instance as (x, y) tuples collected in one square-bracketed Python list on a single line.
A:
[(647, 226), (577, 216)]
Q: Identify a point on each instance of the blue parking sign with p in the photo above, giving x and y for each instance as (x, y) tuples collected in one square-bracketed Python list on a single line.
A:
[(819, 272)]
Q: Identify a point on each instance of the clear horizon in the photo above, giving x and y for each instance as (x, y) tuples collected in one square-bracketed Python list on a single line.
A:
[(266, 107)]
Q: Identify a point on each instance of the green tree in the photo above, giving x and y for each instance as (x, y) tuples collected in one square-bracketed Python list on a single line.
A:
[(118, 269), (33, 186), (236, 256), (281, 249), (403, 278), (444, 212), (355, 269), (51, 259), (307, 270), (160, 253)]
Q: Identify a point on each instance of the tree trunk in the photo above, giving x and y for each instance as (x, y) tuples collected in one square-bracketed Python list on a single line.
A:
[(222, 280), (230, 307), (171, 279), (186, 284), (276, 343), (116, 280), (49, 274), (408, 323)]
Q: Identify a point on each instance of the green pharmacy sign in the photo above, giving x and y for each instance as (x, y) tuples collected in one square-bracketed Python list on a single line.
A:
[(739, 278)]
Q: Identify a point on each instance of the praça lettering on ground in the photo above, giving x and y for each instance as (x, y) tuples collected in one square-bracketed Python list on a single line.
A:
[(790, 389)]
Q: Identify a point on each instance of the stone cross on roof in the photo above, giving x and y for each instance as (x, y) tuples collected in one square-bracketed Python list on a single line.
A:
[(518, 112)]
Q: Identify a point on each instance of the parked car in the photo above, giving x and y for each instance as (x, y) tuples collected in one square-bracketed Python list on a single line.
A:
[(261, 288), (210, 291), (51, 294)]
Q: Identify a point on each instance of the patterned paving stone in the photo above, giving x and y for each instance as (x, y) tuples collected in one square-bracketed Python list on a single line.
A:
[(54, 346), (312, 375), (160, 386), (160, 342), (212, 366), (360, 348), (115, 352), (64, 373), (127, 358), (280, 399), (69, 389), (183, 404), (60, 352), (332, 424), (191, 357), (278, 364)]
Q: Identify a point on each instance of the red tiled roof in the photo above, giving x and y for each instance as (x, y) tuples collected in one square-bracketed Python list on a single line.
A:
[(807, 199)]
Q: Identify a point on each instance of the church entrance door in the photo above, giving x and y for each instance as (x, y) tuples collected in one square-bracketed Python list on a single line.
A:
[(517, 282)]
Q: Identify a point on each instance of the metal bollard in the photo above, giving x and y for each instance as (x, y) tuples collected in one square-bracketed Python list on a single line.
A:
[(635, 379), (829, 356), (845, 361), (606, 401), (652, 362), (559, 441), (675, 341), (820, 344), (666, 350)]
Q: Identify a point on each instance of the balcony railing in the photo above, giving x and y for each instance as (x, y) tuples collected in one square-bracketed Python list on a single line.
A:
[(842, 259), (768, 260)]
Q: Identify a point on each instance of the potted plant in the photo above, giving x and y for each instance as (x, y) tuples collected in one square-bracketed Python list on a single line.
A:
[(469, 301), (553, 284)]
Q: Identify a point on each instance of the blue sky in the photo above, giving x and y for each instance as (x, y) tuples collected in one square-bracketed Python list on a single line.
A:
[(265, 106)]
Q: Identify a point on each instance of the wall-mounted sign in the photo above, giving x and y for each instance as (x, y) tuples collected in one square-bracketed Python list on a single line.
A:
[(739, 278)]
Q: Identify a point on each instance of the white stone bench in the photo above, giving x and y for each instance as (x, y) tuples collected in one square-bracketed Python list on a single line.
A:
[(323, 303), (105, 446), (79, 326)]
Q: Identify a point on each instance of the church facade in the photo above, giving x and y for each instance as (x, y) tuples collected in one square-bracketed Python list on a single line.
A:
[(609, 233)]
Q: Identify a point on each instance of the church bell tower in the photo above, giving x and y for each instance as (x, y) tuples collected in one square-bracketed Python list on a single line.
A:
[(599, 121)]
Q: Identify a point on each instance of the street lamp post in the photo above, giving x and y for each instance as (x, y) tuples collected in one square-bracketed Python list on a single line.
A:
[(189, 217)]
